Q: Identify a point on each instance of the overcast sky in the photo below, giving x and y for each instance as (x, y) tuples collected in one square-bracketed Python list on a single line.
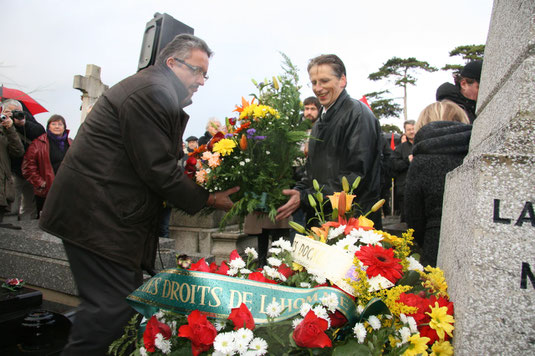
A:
[(46, 43)]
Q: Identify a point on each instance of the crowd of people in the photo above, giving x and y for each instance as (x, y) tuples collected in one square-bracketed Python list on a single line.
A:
[(107, 200)]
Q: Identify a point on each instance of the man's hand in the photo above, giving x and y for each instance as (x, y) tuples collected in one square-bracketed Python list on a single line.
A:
[(410, 158), (221, 200), (291, 205), (7, 123)]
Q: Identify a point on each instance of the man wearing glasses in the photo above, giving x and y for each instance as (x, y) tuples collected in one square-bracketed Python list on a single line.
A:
[(107, 196), (345, 142)]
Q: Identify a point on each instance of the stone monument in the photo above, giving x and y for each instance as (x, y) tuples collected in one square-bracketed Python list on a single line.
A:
[(487, 247), (91, 86)]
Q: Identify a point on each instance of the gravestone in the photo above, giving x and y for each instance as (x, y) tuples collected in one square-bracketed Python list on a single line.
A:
[(91, 86), (487, 247)]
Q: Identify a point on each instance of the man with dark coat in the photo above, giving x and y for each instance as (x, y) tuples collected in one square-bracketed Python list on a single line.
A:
[(105, 201), (401, 160), (346, 142), (466, 89)]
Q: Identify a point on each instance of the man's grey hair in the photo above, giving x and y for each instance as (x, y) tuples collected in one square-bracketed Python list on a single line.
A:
[(408, 122), (181, 47), (332, 60), (12, 102)]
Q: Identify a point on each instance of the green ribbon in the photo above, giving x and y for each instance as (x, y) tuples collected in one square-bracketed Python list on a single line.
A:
[(183, 291)]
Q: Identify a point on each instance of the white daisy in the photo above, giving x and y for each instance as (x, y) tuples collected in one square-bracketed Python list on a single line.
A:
[(414, 265), (360, 309), (360, 332), (143, 351), (374, 322), (237, 263), (379, 282), (321, 312), (370, 237), (330, 301), (245, 335), (334, 233), (274, 309), (273, 261), (162, 344), (284, 244), (247, 160), (245, 271), (410, 321), (224, 342), (220, 324), (275, 250), (259, 345), (251, 252), (305, 285), (232, 272), (348, 244), (305, 308), (242, 163), (296, 322), (405, 333)]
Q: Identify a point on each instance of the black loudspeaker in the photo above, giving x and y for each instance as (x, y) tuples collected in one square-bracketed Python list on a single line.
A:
[(158, 33)]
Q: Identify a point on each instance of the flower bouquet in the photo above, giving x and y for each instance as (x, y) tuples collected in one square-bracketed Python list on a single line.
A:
[(258, 150), (342, 288)]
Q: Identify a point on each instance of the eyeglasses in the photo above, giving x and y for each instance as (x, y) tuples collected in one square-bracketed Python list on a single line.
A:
[(195, 70)]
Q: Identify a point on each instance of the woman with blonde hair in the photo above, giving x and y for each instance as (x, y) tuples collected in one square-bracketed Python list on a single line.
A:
[(440, 145)]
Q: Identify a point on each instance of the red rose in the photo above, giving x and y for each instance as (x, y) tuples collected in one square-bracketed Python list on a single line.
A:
[(242, 317), (311, 332), (258, 276), (155, 327), (200, 266), (199, 331), (285, 270), (337, 319), (191, 167)]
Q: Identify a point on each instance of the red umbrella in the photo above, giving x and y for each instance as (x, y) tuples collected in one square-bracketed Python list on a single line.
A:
[(33, 106)]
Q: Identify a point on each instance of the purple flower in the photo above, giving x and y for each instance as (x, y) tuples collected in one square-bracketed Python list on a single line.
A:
[(229, 135), (250, 133), (260, 137)]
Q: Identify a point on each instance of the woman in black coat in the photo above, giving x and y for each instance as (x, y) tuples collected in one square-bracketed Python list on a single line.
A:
[(440, 145)]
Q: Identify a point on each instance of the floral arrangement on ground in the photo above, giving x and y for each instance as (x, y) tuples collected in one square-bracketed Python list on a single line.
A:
[(256, 150), (396, 307)]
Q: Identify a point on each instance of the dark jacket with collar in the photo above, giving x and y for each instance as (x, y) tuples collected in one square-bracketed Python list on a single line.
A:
[(109, 191), (439, 147), (400, 164), (345, 142), (27, 133), (448, 91)]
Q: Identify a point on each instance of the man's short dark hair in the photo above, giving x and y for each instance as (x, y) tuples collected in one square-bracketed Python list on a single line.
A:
[(181, 47), (333, 60), (408, 122), (312, 100)]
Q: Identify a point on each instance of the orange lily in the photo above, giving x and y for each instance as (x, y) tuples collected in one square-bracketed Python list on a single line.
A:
[(351, 223), (244, 104), (243, 142)]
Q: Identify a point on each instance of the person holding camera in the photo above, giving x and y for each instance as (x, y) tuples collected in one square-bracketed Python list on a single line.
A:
[(10, 145), (28, 130)]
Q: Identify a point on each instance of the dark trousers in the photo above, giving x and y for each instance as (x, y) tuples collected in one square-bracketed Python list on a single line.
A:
[(263, 242), (103, 313)]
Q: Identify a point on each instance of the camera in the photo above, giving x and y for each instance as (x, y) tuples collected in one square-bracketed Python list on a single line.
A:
[(2, 117), (19, 115)]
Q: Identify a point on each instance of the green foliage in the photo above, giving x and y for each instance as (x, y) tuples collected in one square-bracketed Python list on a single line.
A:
[(383, 107), (468, 53), (129, 339), (391, 128), (401, 70)]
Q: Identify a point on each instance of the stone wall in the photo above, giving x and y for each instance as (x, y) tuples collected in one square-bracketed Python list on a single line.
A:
[(487, 248)]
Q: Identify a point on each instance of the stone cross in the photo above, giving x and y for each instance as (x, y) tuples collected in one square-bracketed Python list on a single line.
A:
[(487, 238), (91, 86)]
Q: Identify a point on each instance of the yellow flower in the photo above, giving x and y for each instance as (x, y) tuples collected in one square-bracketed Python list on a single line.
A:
[(365, 222), (417, 346), (435, 281), (441, 321), (334, 200), (297, 267), (442, 348), (224, 146)]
